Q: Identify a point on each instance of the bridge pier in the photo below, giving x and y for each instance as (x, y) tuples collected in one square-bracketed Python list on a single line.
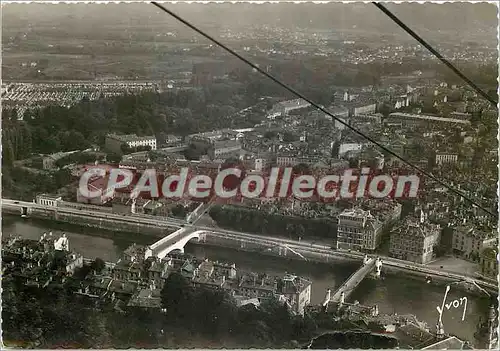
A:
[(282, 250), (342, 298), (203, 237)]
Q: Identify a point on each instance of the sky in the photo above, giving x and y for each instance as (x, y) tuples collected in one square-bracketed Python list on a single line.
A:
[(462, 20)]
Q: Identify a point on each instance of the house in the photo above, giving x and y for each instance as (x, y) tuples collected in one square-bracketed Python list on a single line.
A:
[(414, 240), (489, 262)]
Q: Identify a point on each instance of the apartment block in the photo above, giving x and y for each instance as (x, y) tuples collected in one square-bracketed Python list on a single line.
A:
[(414, 240)]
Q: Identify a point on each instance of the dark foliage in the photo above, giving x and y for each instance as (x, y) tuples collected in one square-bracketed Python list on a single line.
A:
[(259, 222)]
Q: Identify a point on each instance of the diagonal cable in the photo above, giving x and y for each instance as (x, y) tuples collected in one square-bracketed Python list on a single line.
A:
[(435, 53), (293, 91)]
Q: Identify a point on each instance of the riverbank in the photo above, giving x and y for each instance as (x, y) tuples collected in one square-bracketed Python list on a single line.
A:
[(140, 224)]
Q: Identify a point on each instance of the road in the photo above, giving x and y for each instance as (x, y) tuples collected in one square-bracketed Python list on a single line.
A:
[(304, 247)]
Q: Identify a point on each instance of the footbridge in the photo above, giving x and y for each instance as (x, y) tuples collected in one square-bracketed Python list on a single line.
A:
[(175, 241), (343, 292)]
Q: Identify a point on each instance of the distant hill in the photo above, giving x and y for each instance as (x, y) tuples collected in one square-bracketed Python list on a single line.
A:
[(460, 20)]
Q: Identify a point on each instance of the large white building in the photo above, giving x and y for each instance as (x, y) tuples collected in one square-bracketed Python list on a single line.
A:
[(48, 200), (284, 107), (224, 149), (114, 142), (346, 147), (444, 157)]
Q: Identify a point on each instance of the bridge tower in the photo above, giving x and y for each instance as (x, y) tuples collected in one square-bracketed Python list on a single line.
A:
[(378, 267), (342, 298), (132, 208), (365, 259), (439, 328)]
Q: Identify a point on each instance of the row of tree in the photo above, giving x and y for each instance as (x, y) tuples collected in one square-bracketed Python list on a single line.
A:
[(24, 184), (55, 128), (260, 222)]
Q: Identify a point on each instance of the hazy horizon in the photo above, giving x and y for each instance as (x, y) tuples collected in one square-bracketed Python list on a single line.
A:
[(469, 21)]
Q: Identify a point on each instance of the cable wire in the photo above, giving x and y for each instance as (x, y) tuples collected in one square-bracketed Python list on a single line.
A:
[(435, 53), (293, 91)]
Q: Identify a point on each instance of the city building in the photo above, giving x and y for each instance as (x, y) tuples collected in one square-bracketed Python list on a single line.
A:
[(445, 157), (96, 184), (224, 149), (293, 290), (209, 137), (461, 115), (414, 240), (38, 262), (487, 333), (362, 228), (296, 291), (358, 230), (48, 200), (362, 108), (114, 142), (339, 112), (346, 147), (469, 242), (489, 262), (172, 140)]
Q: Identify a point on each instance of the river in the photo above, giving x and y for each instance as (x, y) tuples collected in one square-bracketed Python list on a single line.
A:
[(396, 293)]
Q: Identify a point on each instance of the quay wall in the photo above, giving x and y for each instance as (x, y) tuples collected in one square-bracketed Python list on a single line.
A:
[(93, 221)]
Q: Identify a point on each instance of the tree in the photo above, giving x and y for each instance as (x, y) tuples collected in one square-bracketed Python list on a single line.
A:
[(289, 137), (194, 152), (385, 109), (177, 297), (178, 211), (113, 157), (98, 265), (270, 135)]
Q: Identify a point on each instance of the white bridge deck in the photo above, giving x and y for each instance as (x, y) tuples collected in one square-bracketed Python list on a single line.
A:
[(350, 284)]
